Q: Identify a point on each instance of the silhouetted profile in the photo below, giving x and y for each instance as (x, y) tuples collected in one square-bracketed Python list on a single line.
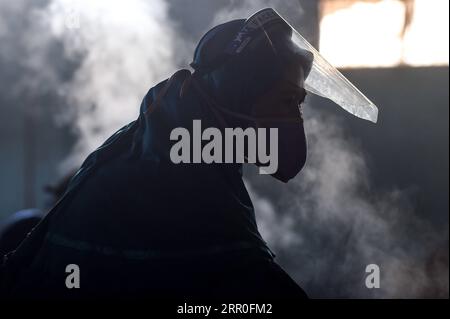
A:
[(139, 225)]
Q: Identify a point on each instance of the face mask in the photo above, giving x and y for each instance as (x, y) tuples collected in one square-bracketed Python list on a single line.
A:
[(281, 107)]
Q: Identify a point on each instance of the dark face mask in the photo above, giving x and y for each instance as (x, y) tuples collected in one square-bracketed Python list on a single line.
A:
[(280, 108), (291, 150)]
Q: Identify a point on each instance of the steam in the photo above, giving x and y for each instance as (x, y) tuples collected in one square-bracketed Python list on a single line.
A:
[(97, 58), (243, 9), (26, 47), (327, 225), (123, 49)]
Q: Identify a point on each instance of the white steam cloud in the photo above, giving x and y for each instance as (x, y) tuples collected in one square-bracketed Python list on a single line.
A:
[(328, 225), (96, 58), (124, 47)]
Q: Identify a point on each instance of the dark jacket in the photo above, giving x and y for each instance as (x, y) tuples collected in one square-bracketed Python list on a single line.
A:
[(137, 224)]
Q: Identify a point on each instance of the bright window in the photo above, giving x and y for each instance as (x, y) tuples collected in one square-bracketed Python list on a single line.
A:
[(372, 33)]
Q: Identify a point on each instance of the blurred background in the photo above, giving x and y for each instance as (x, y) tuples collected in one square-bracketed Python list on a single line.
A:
[(73, 72)]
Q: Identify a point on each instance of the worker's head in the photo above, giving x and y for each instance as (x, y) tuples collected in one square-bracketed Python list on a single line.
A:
[(254, 70)]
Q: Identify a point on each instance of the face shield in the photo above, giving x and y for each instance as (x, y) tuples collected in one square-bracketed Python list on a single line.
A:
[(322, 79)]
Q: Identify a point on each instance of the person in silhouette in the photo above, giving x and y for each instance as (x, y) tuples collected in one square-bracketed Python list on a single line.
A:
[(138, 225)]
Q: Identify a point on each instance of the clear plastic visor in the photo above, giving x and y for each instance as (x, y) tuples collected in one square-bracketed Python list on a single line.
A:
[(326, 81)]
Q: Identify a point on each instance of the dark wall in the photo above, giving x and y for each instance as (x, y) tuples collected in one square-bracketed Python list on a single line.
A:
[(408, 147)]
